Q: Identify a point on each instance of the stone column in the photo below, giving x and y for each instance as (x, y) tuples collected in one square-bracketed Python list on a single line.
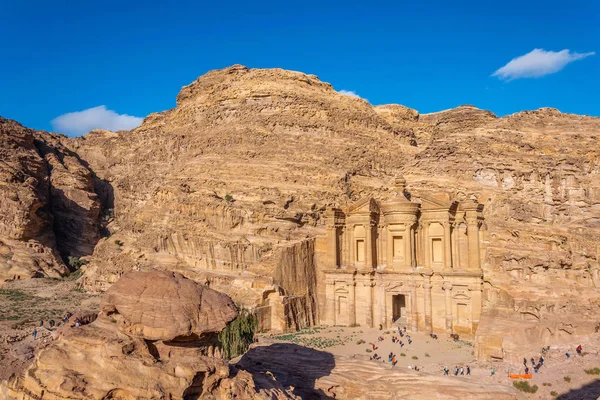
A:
[(352, 302), (332, 245), (369, 304), (369, 244), (447, 247), (330, 302), (343, 245), (351, 248), (377, 316), (427, 242), (407, 248), (411, 242), (428, 307), (448, 293), (379, 246), (414, 314), (455, 247), (473, 238)]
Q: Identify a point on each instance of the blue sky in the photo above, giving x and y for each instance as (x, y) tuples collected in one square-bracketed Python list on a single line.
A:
[(133, 57)]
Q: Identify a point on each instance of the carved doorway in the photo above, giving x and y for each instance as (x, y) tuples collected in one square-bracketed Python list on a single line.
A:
[(399, 309)]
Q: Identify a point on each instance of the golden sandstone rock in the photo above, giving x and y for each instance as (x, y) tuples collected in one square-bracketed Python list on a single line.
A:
[(234, 187), (155, 338)]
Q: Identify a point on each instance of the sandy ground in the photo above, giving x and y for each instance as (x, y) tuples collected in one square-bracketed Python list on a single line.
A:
[(24, 304), (432, 355)]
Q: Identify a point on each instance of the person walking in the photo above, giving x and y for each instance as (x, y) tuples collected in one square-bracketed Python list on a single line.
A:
[(34, 333), (446, 370), (493, 371), (468, 370), (462, 371)]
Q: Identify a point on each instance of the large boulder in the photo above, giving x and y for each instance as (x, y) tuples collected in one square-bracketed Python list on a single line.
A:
[(155, 338)]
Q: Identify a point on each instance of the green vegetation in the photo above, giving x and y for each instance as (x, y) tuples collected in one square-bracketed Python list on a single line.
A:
[(75, 263), (402, 355), (228, 197), (368, 350), (415, 357), (593, 371), (554, 393), (238, 335), (119, 243), (567, 379), (360, 342), (73, 276), (546, 384), (524, 386), (354, 325), (304, 338)]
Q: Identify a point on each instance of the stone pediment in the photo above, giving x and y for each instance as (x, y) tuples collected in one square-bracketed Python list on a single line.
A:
[(364, 206), (434, 203)]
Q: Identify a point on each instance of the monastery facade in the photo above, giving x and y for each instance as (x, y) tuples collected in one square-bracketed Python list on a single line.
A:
[(403, 262)]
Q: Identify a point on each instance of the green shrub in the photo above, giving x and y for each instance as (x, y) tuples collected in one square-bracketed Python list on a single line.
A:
[(119, 243), (554, 393), (593, 371), (415, 357), (524, 386), (546, 384), (354, 325), (402, 355), (75, 263), (228, 197), (239, 334), (567, 379), (360, 342), (369, 350)]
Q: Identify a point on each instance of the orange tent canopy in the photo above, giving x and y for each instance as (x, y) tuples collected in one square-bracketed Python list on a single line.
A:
[(520, 376)]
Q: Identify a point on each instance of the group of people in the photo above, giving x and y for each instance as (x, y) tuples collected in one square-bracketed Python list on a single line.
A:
[(535, 365), (579, 350), (458, 370), (51, 323)]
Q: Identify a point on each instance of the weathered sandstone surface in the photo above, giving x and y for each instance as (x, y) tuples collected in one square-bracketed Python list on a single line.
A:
[(155, 338), (231, 186), (48, 206)]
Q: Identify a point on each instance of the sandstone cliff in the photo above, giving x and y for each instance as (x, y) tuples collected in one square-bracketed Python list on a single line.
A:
[(48, 206)]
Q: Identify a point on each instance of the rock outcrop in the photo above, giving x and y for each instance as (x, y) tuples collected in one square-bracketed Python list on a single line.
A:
[(155, 338)]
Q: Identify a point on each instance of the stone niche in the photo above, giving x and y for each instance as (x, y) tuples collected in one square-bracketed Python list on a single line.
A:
[(404, 262)]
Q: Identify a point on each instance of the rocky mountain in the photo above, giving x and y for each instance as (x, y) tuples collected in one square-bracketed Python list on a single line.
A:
[(230, 188)]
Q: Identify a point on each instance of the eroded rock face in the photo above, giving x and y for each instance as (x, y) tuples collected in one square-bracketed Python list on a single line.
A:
[(49, 209), (156, 338)]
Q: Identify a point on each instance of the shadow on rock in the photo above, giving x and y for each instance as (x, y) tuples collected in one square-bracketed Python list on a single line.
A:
[(291, 365), (590, 391)]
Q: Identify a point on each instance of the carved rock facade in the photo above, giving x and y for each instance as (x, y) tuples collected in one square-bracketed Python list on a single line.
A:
[(403, 262)]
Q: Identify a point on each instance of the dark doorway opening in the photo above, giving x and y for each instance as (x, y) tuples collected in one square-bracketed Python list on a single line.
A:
[(399, 308)]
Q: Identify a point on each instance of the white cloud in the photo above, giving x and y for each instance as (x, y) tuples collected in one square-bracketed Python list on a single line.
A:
[(80, 122), (538, 62), (350, 93)]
